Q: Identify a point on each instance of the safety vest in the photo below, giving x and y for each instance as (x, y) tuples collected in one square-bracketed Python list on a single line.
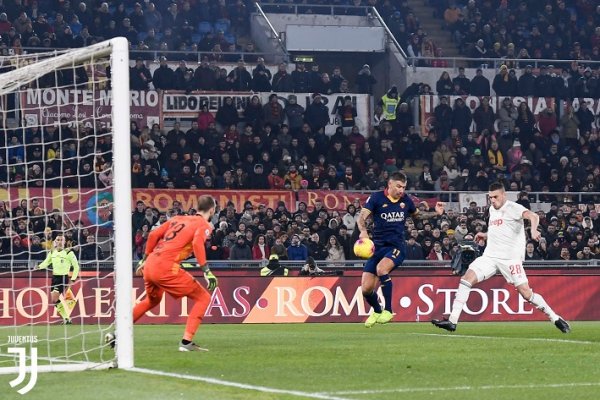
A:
[(389, 107)]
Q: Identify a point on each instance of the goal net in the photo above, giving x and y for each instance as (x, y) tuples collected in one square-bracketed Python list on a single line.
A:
[(65, 122)]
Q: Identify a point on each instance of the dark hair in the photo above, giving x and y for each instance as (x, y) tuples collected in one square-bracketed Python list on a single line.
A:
[(205, 203), (496, 186), (397, 176)]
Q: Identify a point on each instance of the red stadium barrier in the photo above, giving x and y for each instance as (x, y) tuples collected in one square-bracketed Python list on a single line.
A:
[(254, 299)]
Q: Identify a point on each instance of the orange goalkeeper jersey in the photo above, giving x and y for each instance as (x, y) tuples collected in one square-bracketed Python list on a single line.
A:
[(176, 239)]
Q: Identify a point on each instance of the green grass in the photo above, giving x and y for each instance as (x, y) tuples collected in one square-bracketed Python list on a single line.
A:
[(412, 361)]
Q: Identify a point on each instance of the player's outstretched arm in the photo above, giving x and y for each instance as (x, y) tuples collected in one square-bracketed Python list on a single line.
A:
[(362, 222), (535, 222), (44, 264), (438, 210)]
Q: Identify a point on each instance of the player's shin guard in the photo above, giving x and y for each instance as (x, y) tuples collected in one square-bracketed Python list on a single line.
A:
[(373, 301), (462, 295), (202, 300), (538, 301), (386, 289)]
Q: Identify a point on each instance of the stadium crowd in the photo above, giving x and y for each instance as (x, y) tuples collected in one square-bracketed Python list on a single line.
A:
[(256, 232), (522, 30)]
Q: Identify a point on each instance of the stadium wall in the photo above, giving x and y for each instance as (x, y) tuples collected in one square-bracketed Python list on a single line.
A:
[(245, 297)]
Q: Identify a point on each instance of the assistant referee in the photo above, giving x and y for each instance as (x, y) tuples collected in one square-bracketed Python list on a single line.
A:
[(61, 260)]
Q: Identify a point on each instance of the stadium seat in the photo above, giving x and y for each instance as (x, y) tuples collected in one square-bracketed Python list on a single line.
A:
[(205, 27), (222, 25), (196, 37), (230, 38)]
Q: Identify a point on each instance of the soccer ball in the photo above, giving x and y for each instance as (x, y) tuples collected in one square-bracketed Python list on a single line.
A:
[(364, 248), (110, 340)]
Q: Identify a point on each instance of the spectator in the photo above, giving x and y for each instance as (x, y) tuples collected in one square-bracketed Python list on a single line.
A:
[(437, 254), (335, 251), (462, 84), (484, 117), (282, 81), (504, 84), (527, 82), (240, 77), (205, 75), (261, 250), (163, 77), (227, 114), (569, 124), (300, 79), (525, 122), (261, 77), (90, 251), (544, 83), (347, 113), (365, 80), (507, 115), (337, 80), (480, 85), (317, 114), (389, 102), (293, 177), (296, 251), (273, 112), (444, 85), (585, 116), (461, 117), (139, 76), (240, 250)]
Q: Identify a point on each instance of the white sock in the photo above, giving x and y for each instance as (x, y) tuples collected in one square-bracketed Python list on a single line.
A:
[(464, 290), (538, 301)]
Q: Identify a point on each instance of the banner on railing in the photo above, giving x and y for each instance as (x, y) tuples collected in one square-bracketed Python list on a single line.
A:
[(90, 107), (91, 206), (94, 207), (163, 199), (429, 103), (180, 105), (257, 299), (340, 199)]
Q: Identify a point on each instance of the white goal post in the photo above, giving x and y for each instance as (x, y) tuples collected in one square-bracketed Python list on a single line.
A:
[(29, 69)]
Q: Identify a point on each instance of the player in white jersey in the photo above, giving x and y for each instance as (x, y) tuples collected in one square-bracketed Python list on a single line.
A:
[(504, 253)]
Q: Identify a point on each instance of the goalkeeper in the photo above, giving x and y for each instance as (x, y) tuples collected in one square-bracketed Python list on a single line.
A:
[(61, 260), (167, 246)]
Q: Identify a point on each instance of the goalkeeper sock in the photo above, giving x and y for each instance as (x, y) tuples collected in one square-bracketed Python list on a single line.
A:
[(462, 295), (538, 301), (373, 301), (60, 308), (386, 289), (201, 299)]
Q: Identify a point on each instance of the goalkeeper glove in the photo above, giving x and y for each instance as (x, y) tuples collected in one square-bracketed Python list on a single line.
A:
[(211, 279), (140, 267)]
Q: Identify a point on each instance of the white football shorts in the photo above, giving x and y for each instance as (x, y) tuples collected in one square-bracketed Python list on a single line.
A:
[(512, 270)]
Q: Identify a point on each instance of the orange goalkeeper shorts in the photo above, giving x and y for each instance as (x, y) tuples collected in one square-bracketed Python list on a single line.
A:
[(175, 281)]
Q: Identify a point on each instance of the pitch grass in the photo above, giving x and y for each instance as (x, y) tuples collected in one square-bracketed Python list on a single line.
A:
[(403, 360)]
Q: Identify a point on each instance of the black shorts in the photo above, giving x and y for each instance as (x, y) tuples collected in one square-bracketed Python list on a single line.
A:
[(59, 283)]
